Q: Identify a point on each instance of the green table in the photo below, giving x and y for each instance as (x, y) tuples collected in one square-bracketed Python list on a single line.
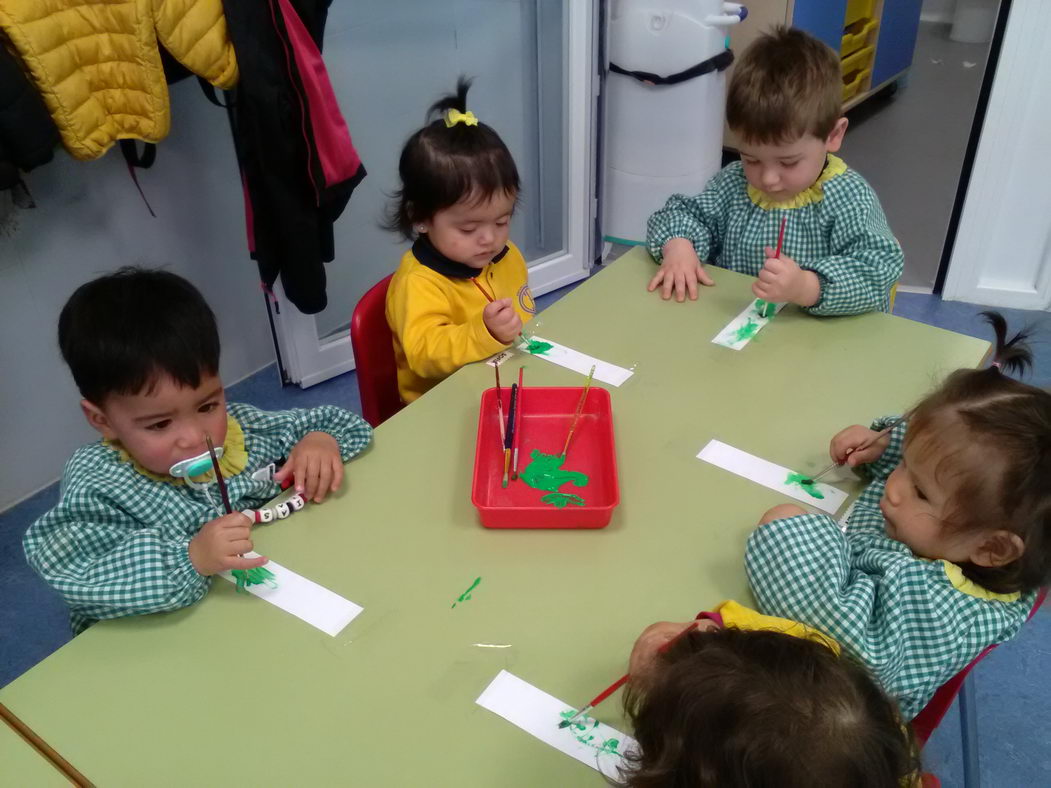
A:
[(21, 764), (234, 689)]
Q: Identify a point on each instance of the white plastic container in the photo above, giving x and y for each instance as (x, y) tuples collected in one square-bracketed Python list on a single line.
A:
[(662, 138), (973, 21)]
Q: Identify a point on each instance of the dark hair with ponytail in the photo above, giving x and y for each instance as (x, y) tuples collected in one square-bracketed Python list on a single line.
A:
[(993, 434), (441, 165)]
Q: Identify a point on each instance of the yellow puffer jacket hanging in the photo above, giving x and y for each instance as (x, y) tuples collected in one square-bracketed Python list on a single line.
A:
[(97, 65)]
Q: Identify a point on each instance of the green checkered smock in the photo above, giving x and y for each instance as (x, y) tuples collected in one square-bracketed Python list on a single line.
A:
[(836, 229), (116, 543), (915, 623)]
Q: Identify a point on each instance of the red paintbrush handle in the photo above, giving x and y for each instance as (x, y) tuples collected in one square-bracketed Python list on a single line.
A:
[(489, 298), (780, 237), (616, 685)]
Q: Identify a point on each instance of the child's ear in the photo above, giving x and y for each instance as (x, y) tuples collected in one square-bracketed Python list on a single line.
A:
[(998, 548), (97, 418), (835, 137)]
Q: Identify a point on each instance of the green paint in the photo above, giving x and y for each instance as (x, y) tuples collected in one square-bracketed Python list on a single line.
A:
[(765, 308), (808, 485), (561, 500), (545, 473), (260, 575), (537, 347), (583, 730), (467, 594), (747, 331)]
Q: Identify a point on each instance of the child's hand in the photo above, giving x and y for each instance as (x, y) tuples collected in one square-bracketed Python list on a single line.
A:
[(502, 320), (220, 544), (783, 281), (843, 448), (316, 466), (680, 271), (780, 512), (653, 638)]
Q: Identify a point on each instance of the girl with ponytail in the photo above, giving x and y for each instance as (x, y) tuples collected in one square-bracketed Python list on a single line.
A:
[(945, 550)]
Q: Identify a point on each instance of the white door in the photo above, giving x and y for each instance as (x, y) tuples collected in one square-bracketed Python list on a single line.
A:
[(534, 67)]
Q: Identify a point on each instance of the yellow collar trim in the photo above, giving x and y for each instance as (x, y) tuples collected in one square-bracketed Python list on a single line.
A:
[(233, 461), (961, 583), (815, 193)]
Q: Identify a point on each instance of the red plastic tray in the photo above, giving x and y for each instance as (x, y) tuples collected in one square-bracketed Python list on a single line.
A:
[(546, 416)]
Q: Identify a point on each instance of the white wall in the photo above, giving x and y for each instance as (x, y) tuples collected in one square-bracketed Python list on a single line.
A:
[(1002, 255), (89, 220)]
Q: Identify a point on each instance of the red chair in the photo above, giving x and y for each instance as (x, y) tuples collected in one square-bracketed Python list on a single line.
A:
[(924, 723), (373, 344)]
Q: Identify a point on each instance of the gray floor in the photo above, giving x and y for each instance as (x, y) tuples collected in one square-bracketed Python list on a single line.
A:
[(910, 147), (1014, 695)]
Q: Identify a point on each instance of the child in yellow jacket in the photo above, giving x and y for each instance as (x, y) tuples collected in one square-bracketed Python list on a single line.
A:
[(461, 293)]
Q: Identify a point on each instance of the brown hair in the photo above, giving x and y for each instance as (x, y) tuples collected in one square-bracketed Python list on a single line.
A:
[(758, 708), (992, 435), (787, 84)]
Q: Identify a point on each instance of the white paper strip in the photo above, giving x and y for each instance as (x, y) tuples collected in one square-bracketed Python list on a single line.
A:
[(303, 598), (534, 711), (770, 475), (741, 329), (579, 362)]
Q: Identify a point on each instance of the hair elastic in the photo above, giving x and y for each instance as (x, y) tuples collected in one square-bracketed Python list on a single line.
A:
[(454, 116)]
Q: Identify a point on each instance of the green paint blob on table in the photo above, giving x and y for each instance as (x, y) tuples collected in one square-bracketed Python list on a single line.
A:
[(537, 347), (808, 485), (747, 331), (545, 472), (259, 575), (467, 594), (561, 500)]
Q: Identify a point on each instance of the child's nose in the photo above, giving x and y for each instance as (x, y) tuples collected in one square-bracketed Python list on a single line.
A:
[(893, 489), (770, 177)]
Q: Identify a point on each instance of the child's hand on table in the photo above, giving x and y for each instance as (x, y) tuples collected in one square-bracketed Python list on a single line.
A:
[(502, 320), (644, 652), (220, 544), (843, 447), (680, 271), (316, 466), (782, 281)]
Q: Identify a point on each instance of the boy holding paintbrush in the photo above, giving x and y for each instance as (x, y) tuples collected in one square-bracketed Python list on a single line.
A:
[(785, 106), (142, 523)]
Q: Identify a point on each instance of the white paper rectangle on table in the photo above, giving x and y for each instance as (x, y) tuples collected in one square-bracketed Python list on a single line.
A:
[(580, 362), (739, 331), (534, 711), (303, 598), (768, 474)]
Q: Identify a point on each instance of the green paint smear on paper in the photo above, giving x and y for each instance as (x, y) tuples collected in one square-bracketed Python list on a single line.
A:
[(808, 485), (537, 347), (582, 732), (260, 575), (545, 473), (467, 594), (561, 500), (747, 331), (765, 308)]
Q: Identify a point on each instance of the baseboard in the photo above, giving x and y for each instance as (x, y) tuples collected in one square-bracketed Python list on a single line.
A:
[(915, 289)]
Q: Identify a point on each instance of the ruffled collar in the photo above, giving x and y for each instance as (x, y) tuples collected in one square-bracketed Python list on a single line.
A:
[(965, 585), (233, 461), (426, 252), (834, 166)]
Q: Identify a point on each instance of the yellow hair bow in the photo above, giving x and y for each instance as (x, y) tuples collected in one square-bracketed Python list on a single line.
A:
[(454, 116)]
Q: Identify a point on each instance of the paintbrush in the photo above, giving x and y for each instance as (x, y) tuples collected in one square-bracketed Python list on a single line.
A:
[(862, 447), (580, 409), (765, 308), (616, 685), (518, 427), (489, 298), (500, 406), (218, 475), (510, 436)]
